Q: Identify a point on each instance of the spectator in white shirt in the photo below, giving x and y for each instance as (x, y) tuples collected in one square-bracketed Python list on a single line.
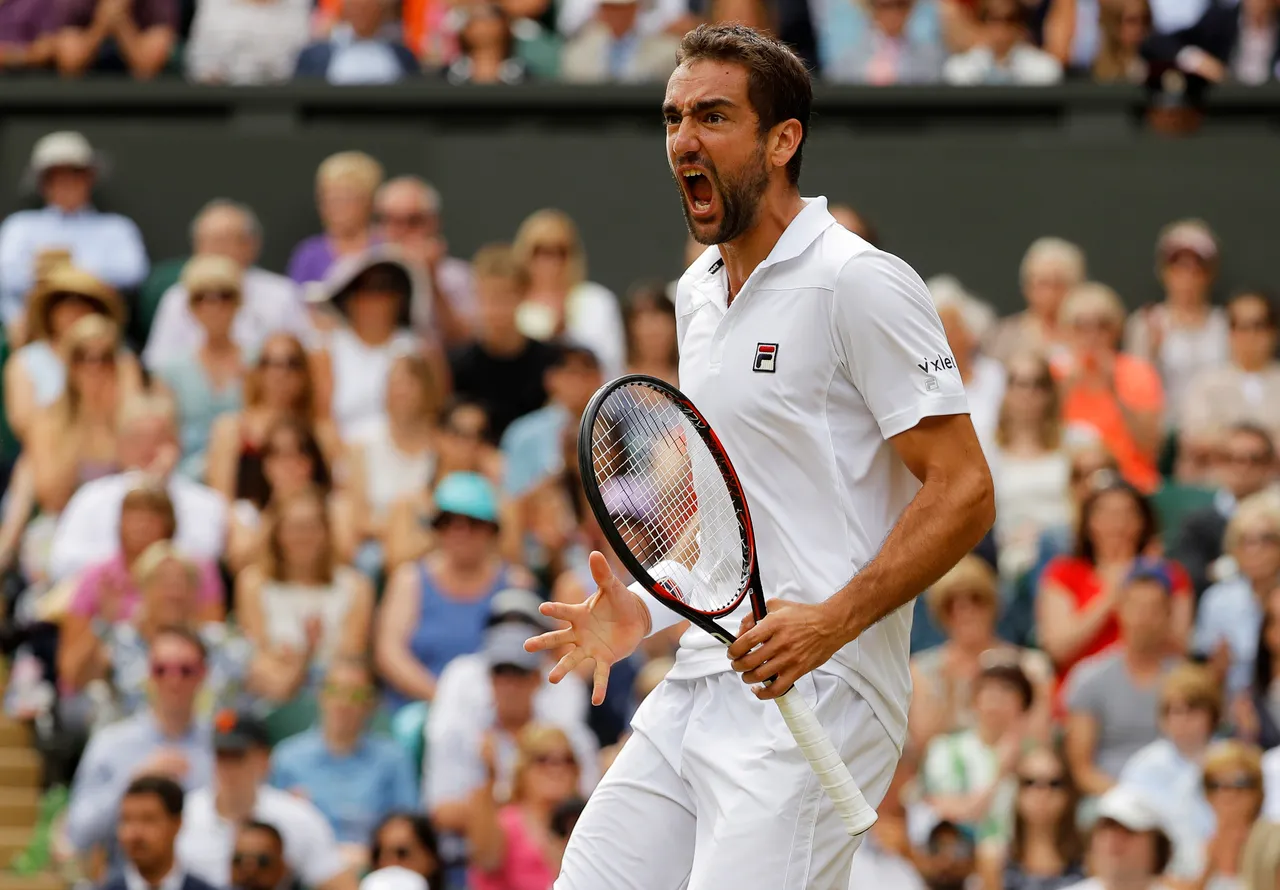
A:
[(64, 167), (247, 44), (966, 320), (89, 528), (239, 793), (1003, 55), (270, 303)]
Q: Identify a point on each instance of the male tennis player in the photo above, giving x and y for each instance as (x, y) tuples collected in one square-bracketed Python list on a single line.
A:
[(823, 368)]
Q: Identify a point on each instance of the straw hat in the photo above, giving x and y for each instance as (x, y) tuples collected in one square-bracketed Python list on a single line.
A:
[(219, 273), (62, 281)]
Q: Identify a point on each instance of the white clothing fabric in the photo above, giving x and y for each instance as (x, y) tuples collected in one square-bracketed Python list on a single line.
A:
[(286, 608), (89, 526), (985, 391), (877, 869), (593, 318), (1183, 352), (1025, 65), (1031, 496), (360, 376), (1175, 786), (206, 840), (389, 472), (247, 42), (859, 356), (654, 17), (711, 791), (270, 304), (1271, 785)]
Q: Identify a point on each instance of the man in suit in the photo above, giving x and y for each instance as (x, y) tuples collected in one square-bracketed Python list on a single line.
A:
[(150, 817)]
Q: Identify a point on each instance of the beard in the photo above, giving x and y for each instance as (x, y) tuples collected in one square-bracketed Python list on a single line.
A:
[(740, 198)]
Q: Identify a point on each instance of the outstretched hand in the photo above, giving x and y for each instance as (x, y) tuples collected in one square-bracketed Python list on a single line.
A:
[(792, 640), (606, 628)]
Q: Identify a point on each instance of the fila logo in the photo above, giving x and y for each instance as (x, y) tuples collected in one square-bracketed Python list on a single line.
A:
[(941, 363), (766, 358)]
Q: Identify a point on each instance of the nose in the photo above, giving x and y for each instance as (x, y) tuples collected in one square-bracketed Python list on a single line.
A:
[(685, 139)]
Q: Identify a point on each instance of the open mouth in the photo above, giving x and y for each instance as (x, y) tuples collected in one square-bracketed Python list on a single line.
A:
[(697, 185)]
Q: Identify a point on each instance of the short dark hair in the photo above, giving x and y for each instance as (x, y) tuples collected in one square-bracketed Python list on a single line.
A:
[(1150, 525), (567, 353), (1010, 675), (169, 792), (778, 84), (186, 634), (266, 828)]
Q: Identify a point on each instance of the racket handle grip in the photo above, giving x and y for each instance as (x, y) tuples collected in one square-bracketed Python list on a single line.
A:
[(831, 771)]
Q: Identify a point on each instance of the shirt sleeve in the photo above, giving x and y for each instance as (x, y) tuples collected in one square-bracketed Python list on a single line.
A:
[(318, 857), (1080, 692), (892, 343), (124, 264), (83, 534), (453, 766), (95, 796)]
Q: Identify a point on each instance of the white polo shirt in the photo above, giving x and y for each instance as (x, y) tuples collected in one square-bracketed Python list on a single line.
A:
[(831, 348)]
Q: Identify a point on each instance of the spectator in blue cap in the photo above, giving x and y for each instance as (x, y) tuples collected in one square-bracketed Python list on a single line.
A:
[(436, 608)]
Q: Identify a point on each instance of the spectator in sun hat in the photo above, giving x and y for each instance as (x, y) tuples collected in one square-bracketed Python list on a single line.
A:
[(436, 608), (35, 375), (371, 293), (1184, 333), (64, 168), (1130, 846)]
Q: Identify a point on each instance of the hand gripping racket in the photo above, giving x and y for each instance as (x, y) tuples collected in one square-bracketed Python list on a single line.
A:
[(669, 502)]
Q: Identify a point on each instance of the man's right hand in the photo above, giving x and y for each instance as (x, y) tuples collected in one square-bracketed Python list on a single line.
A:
[(606, 628)]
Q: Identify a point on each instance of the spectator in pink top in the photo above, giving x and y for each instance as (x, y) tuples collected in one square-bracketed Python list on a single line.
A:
[(514, 847)]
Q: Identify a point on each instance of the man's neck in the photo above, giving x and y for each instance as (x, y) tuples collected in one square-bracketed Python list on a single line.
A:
[(341, 745), (1134, 883), (174, 725), (989, 735), (1251, 366), (155, 873), (1143, 661), (1192, 751), (781, 205), (504, 344), (235, 809)]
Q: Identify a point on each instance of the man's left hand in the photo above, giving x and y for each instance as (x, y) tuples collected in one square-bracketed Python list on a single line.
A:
[(792, 640)]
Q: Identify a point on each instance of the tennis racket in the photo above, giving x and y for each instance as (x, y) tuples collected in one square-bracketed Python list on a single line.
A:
[(670, 504)]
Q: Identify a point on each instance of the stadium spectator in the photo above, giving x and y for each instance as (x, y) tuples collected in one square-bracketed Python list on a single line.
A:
[(391, 455), (1051, 269), (1246, 389), (947, 857), (964, 318), (671, 16), (36, 375), (1229, 619), (1230, 40), (407, 840), (1246, 465), (1257, 714), (407, 213), (270, 303), (435, 608), (246, 44), (967, 776), (1196, 461), (1112, 698), (1110, 394), (613, 48), (1233, 787), (372, 293), (1262, 857), (280, 386), (136, 36), (120, 652), (345, 185), (64, 169), (649, 317), (510, 846), (164, 740), (964, 602), (1129, 848), (561, 301), (208, 381), (1185, 333), (1003, 55), (239, 793), (257, 859), (532, 447), (358, 50), (89, 528), (353, 777), (888, 51), (1032, 469), (1123, 26), (1078, 602), (855, 222), (298, 604), (486, 47), (502, 368), (150, 818), (26, 34)]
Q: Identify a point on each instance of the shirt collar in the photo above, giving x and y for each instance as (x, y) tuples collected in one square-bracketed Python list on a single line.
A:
[(51, 210), (809, 223), (172, 881)]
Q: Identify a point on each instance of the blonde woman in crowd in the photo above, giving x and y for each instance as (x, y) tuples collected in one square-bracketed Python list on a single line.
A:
[(1051, 268), (561, 301), (1233, 788), (345, 187), (1124, 25)]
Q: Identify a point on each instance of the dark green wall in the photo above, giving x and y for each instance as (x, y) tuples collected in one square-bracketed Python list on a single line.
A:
[(957, 181)]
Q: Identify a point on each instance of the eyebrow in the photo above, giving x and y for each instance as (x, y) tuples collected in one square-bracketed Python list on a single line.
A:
[(701, 106)]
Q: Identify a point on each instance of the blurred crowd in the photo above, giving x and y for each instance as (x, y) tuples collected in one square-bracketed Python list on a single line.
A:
[(272, 544), (880, 42)]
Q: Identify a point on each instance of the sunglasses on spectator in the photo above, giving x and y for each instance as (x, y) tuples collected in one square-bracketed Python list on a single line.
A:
[(1092, 323), (1019, 382), (184, 669), (1250, 325), (213, 297), (403, 220), (284, 363), (354, 695), (1261, 539), (255, 860), (555, 760), (1057, 783), (1248, 459), (1234, 783), (557, 251), (102, 359)]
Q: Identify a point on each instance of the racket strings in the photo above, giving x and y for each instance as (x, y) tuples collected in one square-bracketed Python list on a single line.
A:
[(668, 499)]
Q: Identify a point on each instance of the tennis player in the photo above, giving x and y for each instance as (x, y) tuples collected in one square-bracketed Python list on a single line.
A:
[(823, 368)]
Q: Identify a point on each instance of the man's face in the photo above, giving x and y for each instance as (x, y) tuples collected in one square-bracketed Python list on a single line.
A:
[(223, 231), (891, 16), (1253, 338), (257, 862), (1120, 855), (947, 863), (401, 213), (1246, 466), (1143, 614), (513, 691), (498, 298), (715, 149), (1002, 26), (573, 384), (997, 705), (67, 188), (365, 16), (347, 698), (177, 672), (619, 18), (141, 442), (238, 772), (146, 831)]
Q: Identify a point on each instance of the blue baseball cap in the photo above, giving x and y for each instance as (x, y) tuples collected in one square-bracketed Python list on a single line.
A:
[(467, 494), (1151, 569)]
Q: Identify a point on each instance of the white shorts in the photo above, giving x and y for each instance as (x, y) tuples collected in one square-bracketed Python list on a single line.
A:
[(711, 792)]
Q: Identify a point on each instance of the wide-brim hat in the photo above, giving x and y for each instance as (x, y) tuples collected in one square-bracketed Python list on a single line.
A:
[(64, 280), (338, 284), (65, 148)]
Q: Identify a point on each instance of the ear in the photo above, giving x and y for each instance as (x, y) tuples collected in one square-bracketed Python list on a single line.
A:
[(784, 142)]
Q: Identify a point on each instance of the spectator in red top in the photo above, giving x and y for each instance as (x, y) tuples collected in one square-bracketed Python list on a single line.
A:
[(1076, 603), (1118, 397), (136, 36)]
